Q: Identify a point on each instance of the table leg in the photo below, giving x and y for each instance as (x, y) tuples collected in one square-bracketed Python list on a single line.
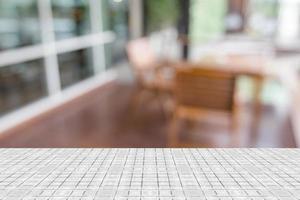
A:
[(257, 105)]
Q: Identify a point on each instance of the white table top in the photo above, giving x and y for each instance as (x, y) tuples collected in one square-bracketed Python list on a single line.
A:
[(150, 174)]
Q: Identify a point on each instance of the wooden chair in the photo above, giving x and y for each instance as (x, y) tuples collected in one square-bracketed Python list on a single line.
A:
[(201, 91), (149, 72)]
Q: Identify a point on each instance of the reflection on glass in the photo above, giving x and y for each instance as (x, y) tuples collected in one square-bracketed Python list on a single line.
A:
[(75, 66), (115, 18), (71, 18), (19, 23), (21, 84)]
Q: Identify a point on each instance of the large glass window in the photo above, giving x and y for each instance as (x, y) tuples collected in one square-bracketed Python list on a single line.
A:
[(56, 55), (19, 23), (21, 84), (75, 66), (71, 18)]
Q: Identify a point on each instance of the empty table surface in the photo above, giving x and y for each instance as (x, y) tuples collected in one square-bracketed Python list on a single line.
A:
[(150, 174)]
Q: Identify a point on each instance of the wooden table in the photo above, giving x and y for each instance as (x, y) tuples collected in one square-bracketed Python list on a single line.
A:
[(254, 67)]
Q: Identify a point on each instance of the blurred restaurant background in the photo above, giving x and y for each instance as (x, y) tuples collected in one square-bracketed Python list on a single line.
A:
[(150, 73)]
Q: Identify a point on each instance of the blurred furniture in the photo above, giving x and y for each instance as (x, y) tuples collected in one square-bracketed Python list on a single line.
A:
[(152, 75), (252, 66), (241, 55), (201, 91)]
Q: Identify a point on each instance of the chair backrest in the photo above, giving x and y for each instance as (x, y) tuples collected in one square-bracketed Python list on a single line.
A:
[(140, 54), (199, 87)]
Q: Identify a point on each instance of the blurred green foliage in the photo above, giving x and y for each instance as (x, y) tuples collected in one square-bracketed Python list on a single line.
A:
[(161, 14), (268, 8), (207, 19)]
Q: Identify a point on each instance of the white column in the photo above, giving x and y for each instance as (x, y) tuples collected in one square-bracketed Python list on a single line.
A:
[(289, 21), (135, 18), (48, 40)]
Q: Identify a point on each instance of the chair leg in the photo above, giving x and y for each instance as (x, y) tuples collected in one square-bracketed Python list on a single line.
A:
[(235, 134), (168, 105), (173, 132), (161, 100), (136, 100)]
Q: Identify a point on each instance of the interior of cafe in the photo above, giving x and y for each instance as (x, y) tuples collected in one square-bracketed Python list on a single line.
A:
[(150, 73)]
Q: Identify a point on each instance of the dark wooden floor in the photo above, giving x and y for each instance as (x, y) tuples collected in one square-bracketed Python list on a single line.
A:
[(102, 118)]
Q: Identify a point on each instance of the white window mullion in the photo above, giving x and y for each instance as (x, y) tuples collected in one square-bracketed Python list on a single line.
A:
[(48, 40), (24, 54), (97, 27), (21, 55)]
